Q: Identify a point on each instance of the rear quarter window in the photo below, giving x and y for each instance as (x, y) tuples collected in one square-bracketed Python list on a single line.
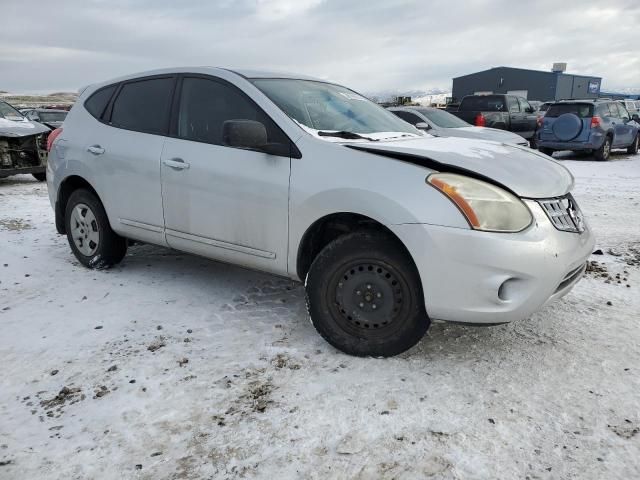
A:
[(582, 110), (97, 103)]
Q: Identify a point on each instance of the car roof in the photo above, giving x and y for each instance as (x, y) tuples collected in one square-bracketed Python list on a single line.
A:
[(246, 73)]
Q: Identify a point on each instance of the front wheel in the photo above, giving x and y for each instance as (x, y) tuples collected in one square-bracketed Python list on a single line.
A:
[(604, 152), (90, 236), (41, 177), (633, 148), (365, 297)]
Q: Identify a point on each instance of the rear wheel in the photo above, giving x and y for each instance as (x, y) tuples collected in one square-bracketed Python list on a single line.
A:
[(604, 152), (90, 236), (41, 177), (365, 297), (633, 148), (546, 151)]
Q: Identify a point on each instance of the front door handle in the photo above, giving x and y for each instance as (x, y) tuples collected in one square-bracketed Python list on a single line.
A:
[(176, 164), (95, 149)]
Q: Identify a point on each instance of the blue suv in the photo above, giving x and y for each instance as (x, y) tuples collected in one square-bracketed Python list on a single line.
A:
[(588, 125)]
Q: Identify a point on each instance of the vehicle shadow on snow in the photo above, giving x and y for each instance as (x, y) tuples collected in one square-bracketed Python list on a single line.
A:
[(248, 294), (588, 157)]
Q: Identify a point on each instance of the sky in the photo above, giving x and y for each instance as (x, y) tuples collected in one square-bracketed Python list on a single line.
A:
[(372, 46)]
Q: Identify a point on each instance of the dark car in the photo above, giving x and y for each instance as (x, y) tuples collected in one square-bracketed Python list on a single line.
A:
[(47, 116), (588, 125), (506, 112)]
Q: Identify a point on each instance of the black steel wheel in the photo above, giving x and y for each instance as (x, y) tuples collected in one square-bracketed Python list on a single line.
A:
[(365, 297)]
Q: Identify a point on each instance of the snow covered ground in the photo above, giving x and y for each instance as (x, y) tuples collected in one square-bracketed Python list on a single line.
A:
[(172, 366)]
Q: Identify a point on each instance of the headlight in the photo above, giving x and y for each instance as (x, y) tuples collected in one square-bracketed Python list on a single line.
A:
[(485, 206)]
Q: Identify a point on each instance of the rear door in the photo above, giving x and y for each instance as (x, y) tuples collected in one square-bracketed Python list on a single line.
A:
[(530, 118), (222, 202), (125, 151), (517, 117)]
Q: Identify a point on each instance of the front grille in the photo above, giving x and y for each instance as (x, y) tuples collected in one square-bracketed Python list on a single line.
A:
[(564, 213)]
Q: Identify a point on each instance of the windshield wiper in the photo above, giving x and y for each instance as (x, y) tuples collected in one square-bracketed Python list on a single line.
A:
[(346, 135)]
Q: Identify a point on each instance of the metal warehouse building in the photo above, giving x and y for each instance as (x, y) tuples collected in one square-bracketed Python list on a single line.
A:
[(530, 84)]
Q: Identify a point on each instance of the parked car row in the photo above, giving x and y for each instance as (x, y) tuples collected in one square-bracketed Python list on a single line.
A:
[(443, 124), (593, 125), (389, 227), (505, 112)]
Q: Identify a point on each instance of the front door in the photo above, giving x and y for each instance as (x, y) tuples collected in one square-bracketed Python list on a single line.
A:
[(226, 203)]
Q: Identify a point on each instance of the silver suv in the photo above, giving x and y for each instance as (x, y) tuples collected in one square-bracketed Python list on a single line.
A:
[(389, 227)]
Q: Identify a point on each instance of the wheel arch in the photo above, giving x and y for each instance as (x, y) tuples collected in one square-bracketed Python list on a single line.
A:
[(329, 227), (66, 188)]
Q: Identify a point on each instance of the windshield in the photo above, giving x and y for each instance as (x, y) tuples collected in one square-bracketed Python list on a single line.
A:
[(52, 116), (443, 119), (7, 111), (328, 107)]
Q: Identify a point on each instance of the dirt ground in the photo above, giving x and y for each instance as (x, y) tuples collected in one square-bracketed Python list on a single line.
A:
[(172, 366)]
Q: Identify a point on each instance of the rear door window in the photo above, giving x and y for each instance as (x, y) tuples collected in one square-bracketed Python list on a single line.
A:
[(603, 110), (143, 105), (514, 106), (582, 110), (524, 105)]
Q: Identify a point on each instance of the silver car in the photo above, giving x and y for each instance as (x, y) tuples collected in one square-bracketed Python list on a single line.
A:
[(442, 124), (389, 228)]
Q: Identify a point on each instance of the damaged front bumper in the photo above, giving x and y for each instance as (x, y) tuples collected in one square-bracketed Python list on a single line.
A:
[(478, 277), (23, 154)]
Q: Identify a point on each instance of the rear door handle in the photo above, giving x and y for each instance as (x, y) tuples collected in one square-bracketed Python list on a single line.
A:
[(176, 164), (95, 149)]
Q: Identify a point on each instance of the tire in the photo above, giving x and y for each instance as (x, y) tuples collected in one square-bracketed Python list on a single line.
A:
[(365, 297), (546, 151), (41, 177), (603, 153), (635, 146), (95, 244)]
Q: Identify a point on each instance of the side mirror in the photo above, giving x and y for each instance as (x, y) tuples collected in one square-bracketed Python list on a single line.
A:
[(423, 126), (244, 134), (251, 135), (530, 110), (635, 118)]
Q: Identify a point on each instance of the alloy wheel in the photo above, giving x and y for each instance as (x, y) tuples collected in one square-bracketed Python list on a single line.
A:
[(84, 229)]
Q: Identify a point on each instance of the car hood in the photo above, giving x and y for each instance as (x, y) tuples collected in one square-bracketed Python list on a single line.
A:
[(484, 133), (525, 172), (20, 127)]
